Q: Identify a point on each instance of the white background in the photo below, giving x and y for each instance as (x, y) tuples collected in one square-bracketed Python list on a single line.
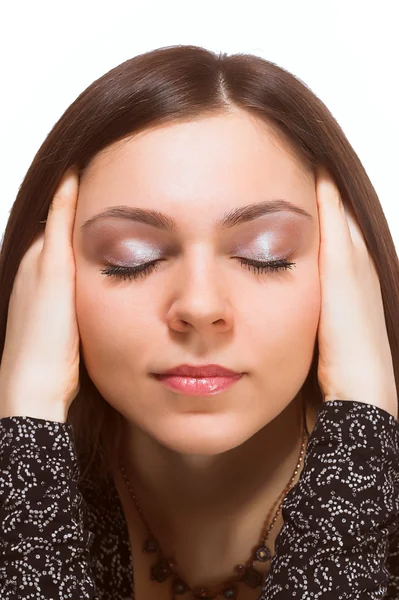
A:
[(346, 51)]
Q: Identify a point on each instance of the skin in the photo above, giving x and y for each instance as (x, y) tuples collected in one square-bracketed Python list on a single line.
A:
[(193, 460)]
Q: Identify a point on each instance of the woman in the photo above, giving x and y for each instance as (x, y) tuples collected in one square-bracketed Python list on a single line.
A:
[(191, 199)]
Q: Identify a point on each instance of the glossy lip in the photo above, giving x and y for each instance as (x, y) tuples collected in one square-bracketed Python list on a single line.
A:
[(200, 371), (198, 386)]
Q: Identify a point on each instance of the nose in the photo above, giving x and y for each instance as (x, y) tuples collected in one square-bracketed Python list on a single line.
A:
[(200, 300)]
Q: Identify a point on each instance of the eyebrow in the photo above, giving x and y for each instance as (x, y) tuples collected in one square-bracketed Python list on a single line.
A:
[(164, 222)]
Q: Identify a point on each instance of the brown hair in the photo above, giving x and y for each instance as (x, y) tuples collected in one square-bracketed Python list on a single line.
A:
[(182, 83)]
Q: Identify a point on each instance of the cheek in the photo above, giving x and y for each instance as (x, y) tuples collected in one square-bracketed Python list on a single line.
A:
[(114, 329), (283, 338), (300, 314)]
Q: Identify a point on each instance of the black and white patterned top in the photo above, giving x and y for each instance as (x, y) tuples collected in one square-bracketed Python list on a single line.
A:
[(339, 540)]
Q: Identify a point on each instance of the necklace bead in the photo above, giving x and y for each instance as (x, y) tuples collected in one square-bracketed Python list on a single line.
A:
[(253, 578), (230, 592), (151, 545), (262, 553), (179, 586), (160, 571)]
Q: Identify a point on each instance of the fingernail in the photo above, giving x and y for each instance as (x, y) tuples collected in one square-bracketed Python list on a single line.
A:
[(68, 181)]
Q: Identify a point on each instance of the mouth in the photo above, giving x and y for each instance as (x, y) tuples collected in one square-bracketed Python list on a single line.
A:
[(198, 386)]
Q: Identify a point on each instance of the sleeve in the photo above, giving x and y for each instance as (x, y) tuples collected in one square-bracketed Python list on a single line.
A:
[(393, 567), (341, 517), (44, 547)]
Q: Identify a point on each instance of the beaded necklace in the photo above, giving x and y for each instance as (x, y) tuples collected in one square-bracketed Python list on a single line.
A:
[(166, 567)]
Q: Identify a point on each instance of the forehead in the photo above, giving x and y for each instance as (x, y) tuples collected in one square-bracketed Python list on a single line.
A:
[(225, 159)]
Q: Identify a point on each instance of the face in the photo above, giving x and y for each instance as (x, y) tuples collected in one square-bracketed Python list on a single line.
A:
[(201, 303)]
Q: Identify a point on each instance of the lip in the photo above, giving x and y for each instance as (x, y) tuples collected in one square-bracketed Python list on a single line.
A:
[(198, 386), (200, 371)]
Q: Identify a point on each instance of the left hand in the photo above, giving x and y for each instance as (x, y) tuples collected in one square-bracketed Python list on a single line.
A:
[(355, 361)]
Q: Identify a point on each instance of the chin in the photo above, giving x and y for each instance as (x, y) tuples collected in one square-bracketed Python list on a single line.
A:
[(203, 434)]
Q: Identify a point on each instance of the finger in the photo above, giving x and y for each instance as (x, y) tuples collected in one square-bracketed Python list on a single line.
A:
[(355, 231), (336, 244), (57, 242)]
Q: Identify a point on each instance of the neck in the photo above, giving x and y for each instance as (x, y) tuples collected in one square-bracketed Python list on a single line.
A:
[(204, 507)]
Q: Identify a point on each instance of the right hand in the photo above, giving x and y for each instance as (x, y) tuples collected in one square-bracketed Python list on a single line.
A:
[(39, 370)]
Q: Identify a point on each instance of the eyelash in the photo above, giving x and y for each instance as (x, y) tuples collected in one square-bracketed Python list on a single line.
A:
[(141, 271)]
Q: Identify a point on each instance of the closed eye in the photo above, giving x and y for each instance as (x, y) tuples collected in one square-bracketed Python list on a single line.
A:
[(259, 267)]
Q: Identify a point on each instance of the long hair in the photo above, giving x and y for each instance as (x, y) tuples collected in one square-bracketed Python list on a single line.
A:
[(185, 82)]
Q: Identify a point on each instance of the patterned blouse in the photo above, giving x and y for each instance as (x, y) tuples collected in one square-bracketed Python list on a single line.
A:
[(339, 539)]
